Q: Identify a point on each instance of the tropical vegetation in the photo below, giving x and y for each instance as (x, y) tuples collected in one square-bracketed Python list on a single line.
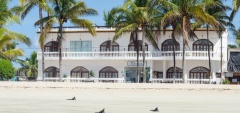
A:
[(29, 66), (9, 39), (62, 12), (134, 17), (7, 70)]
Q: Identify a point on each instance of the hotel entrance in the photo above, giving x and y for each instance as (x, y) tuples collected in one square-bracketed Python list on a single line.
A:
[(133, 75)]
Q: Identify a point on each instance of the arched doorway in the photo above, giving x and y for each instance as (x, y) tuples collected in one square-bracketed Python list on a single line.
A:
[(131, 46), (108, 72), (51, 72), (108, 46), (79, 72), (202, 45), (51, 46), (199, 73), (179, 73), (167, 45)]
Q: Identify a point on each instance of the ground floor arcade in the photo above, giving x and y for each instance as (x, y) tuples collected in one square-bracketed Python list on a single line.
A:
[(127, 71)]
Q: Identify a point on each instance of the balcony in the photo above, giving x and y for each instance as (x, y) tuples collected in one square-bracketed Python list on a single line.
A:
[(130, 55)]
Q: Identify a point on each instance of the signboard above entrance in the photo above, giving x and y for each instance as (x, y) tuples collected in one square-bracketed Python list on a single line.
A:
[(134, 63)]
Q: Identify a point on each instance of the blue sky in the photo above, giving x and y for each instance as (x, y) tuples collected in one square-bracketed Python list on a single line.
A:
[(27, 26)]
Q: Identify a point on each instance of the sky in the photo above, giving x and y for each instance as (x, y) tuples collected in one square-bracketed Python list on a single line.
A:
[(27, 26)]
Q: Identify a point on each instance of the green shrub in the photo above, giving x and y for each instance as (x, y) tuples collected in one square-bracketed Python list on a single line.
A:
[(226, 82), (6, 70)]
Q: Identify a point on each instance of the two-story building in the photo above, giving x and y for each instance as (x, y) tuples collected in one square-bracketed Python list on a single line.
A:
[(116, 61)]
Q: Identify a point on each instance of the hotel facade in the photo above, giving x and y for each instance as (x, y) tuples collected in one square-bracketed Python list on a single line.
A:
[(96, 58)]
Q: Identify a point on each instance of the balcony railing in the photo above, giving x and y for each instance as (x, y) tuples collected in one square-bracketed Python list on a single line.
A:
[(155, 55)]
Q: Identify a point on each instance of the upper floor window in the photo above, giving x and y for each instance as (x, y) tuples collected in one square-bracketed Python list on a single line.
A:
[(108, 72), (167, 45), (178, 73), (131, 46), (108, 46), (199, 73), (51, 46), (202, 45), (79, 72), (81, 46), (51, 72)]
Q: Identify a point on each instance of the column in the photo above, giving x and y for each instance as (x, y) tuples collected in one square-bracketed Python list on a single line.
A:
[(185, 73), (164, 69)]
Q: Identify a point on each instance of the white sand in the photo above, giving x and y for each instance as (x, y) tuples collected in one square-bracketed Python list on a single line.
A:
[(44, 97)]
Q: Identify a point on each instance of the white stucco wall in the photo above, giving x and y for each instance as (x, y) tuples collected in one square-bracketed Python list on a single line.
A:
[(123, 41)]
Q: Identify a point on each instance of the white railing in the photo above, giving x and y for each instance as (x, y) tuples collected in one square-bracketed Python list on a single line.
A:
[(189, 81), (160, 80), (198, 81), (130, 55), (111, 80)]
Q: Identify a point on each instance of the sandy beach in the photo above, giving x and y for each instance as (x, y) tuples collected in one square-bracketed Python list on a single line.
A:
[(47, 97)]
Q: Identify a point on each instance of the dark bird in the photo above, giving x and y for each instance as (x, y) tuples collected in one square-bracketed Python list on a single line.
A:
[(72, 98), (102, 111), (155, 110)]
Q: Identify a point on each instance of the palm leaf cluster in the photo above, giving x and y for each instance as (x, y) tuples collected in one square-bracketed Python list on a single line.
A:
[(63, 11), (9, 39), (183, 16)]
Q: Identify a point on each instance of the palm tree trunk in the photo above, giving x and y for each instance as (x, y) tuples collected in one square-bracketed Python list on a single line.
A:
[(60, 51), (174, 62), (185, 36), (42, 46), (137, 49), (221, 58), (143, 53), (183, 59), (209, 58)]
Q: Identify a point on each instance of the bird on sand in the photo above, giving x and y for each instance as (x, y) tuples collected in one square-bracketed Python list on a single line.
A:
[(102, 111), (72, 98), (155, 110)]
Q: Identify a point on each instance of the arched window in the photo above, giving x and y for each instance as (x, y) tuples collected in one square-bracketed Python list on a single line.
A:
[(51, 72), (131, 46), (79, 72), (51, 46), (108, 46), (179, 73), (108, 72), (167, 45), (199, 73), (202, 45)]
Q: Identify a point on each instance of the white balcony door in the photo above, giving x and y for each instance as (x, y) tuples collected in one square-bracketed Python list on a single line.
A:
[(81, 46)]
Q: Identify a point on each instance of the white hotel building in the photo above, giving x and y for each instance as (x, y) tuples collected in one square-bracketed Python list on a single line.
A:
[(116, 62)]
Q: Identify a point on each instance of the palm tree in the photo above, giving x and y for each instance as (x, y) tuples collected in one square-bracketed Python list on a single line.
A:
[(218, 12), (133, 18), (236, 34), (29, 66), (236, 5), (9, 38), (28, 5), (63, 11), (184, 12)]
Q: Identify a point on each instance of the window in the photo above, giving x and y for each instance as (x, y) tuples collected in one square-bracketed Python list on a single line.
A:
[(51, 46), (51, 72), (218, 75), (108, 46), (79, 72), (178, 73), (158, 74), (167, 45), (81, 46), (108, 72), (199, 73), (202, 45), (131, 46)]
